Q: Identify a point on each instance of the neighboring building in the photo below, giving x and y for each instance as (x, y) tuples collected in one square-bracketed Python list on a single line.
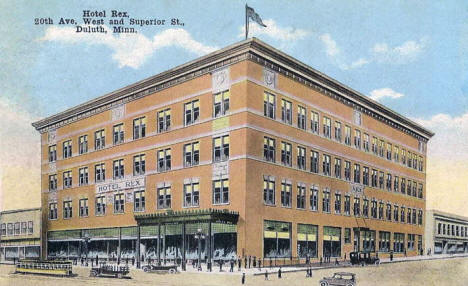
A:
[(303, 164), (446, 233), (20, 234)]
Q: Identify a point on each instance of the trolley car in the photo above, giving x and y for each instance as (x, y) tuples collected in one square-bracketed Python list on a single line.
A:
[(58, 268)]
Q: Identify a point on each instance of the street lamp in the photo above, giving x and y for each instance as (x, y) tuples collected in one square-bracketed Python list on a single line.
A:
[(199, 235), (86, 240)]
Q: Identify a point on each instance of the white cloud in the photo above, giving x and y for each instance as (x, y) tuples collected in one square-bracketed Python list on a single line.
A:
[(403, 53), (330, 45), (378, 94), (334, 53), (272, 30), (130, 50)]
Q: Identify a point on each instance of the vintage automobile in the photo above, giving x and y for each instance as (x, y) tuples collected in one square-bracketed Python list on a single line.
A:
[(364, 258), (109, 270), (171, 269), (339, 279)]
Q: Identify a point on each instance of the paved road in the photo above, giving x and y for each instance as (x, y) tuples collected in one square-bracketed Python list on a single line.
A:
[(452, 271)]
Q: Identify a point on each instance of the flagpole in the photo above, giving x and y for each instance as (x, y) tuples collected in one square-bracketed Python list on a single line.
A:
[(246, 23)]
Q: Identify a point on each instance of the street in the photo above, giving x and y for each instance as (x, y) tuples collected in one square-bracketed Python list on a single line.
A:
[(452, 271)]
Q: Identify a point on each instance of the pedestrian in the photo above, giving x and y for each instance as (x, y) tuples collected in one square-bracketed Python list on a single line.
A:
[(232, 265), (266, 274), (345, 256), (250, 258), (259, 264), (310, 271), (221, 265), (391, 255), (239, 263), (254, 261), (243, 278), (405, 252), (336, 261), (320, 260), (279, 273), (245, 262)]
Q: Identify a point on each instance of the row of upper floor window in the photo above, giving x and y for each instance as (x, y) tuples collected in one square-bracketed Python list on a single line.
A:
[(309, 198), (349, 171), (164, 200), (191, 114), (452, 229), (17, 228), (343, 133), (190, 157)]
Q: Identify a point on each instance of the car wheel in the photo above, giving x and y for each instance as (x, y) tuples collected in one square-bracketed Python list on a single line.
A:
[(351, 284), (377, 262), (323, 283), (145, 269), (93, 274), (172, 271), (119, 275)]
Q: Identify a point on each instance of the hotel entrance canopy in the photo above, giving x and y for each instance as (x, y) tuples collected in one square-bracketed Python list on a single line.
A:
[(188, 216)]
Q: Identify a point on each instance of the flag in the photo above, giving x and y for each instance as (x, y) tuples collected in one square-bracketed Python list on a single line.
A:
[(250, 12)]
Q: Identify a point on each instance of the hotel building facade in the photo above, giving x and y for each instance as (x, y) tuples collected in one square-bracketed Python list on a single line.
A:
[(265, 155)]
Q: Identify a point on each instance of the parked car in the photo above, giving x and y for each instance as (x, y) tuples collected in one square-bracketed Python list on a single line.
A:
[(109, 270), (171, 269), (364, 258), (339, 279)]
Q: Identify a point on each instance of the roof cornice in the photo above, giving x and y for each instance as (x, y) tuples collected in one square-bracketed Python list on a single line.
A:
[(250, 49)]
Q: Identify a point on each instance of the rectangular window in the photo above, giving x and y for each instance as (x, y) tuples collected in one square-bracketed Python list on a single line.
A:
[(408, 187), (100, 172), (268, 190), (389, 151), (221, 191), (347, 205), (381, 210), (314, 161), (396, 154), (389, 212), (338, 168), (286, 154), (100, 205), (17, 228), (10, 229), (403, 156), (192, 194), (337, 203), (374, 178), (374, 209), (307, 240), (338, 131), (357, 207), (331, 241), (365, 176), (83, 176), (326, 165), (164, 197), (139, 165), (67, 149), (221, 148), (269, 104), (269, 149), (301, 117), (191, 154), (396, 212), (396, 184), (99, 139), (366, 142), (221, 103), (67, 209), (53, 153), (409, 161), (357, 173), (164, 160), (139, 201), (421, 164), (164, 120), (119, 203), (389, 182), (398, 242), (139, 127), (276, 239), (314, 122), (24, 228), (3, 229), (301, 158), (326, 127), (83, 204), (118, 134), (30, 227), (384, 241), (52, 210), (374, 145), (381, 148), (53, 182), (411, 239), (67, 179), (301, 196), (420, 191), (402, 214), (286, 190), (347, 235), (347, 139), (365, 208), (119, 169), (83, 144), (314, 198), (347, 171), (357, 139), (403, 185), (286, 111), (381, 180), (326, 200)]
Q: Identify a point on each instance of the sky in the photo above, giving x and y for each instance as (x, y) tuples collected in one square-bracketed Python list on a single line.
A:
[(409, 55)]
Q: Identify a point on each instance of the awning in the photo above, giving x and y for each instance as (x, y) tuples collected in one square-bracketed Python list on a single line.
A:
[(188, 216)]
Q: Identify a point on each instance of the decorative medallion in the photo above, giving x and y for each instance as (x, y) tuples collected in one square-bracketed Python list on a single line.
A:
[(220, 80), (118, 113), (269, 78)]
